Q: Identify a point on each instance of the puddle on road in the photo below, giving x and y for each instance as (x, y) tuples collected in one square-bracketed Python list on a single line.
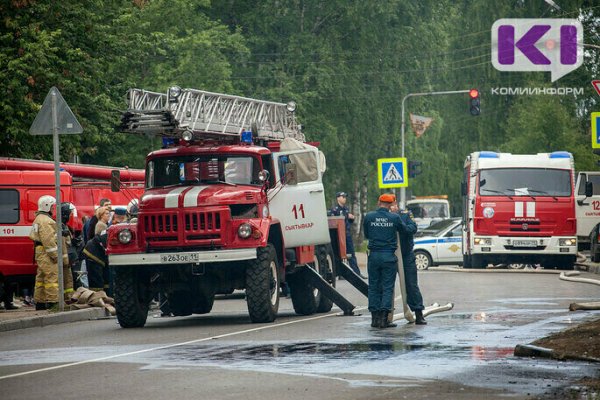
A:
[(473, 349)]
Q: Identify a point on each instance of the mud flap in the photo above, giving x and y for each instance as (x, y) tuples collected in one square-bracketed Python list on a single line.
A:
[(352, 278), (327, 290)]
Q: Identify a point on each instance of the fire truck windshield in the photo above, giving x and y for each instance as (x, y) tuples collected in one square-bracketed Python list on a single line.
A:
[(525, 182), (213, 169)]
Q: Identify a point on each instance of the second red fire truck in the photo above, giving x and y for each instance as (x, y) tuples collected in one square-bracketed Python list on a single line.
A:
[(519, 208)]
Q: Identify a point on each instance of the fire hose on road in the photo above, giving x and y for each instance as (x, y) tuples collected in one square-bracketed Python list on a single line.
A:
[(569, 276)]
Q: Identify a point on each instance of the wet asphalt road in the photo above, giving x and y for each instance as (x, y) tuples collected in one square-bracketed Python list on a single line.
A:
[(465, 353)]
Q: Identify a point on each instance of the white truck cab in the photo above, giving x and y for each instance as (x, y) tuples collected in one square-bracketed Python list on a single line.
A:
[(428, 210), (588, 212)]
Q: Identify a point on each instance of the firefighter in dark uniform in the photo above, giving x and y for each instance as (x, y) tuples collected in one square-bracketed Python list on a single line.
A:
[(414, 299), (341, 209), (97, 262), (381, 227)]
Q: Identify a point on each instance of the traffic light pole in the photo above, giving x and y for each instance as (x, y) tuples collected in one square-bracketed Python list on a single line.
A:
[(403, 189)]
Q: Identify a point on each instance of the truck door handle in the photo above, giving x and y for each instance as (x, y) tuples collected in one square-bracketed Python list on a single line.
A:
[(316, 191)]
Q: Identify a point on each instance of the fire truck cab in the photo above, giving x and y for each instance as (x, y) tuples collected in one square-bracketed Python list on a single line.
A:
[(519, 208), (234, 200)]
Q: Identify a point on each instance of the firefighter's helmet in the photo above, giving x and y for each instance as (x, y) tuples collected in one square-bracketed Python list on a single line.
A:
[(45, 203), (66, 209)]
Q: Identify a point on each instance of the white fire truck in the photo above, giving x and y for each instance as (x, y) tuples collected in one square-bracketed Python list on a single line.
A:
[(519, 208), (234, 200)]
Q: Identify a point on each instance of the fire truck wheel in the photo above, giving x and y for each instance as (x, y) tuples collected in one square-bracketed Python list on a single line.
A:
[(305, 297), (467, 263), (132, 297), (423, 260), (594, 250), (262, 285), (327, 271)]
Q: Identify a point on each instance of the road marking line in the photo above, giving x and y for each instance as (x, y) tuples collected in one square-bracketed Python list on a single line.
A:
[(168, 346)]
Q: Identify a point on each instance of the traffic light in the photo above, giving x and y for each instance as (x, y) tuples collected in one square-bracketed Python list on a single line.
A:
[(474, 104), (414, 168)]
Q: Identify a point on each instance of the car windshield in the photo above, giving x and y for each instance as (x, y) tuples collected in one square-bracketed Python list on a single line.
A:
[(193, 170), (438, 227), (525, 182), (429, 210)]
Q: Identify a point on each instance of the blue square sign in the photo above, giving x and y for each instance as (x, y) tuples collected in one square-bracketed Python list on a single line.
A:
[(596, 130), (392, 172)]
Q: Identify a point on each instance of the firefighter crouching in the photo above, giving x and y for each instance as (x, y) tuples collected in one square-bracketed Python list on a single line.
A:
[(43, 234)]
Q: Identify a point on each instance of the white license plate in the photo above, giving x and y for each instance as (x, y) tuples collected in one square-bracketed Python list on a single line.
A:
[(179, 258), (524, 243)]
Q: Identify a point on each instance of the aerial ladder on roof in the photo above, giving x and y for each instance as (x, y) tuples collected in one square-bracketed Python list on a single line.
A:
[(208, 115)]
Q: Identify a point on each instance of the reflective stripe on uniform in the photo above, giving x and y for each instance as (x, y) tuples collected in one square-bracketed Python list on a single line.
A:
[(52, 250), (69, 290), (50, 285)]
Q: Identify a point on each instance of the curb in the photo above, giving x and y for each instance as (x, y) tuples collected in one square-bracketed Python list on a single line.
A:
[(53, 319)]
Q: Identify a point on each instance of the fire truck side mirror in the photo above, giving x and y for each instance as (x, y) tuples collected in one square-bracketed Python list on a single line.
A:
[(291, 175), (589, 189), (115, 180)]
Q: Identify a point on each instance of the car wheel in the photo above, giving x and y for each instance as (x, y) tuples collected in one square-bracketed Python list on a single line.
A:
[(423, 260)]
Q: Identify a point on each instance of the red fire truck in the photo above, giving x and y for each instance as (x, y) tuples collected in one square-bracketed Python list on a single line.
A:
[(23, 182), (234, 200), (519, 208)]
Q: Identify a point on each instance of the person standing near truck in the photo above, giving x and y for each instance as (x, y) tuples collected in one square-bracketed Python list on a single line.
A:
[(43, 234), (381, 228), (341, 209), (414, 299)]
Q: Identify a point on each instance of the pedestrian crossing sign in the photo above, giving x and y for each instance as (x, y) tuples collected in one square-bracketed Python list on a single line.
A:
[(596, 130), (392, 172)]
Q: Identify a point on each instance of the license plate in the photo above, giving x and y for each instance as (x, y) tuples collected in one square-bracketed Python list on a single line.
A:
[(179, 258), (524, 243)]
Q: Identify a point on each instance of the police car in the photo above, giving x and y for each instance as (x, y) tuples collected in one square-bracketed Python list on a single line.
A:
[(440, 243)]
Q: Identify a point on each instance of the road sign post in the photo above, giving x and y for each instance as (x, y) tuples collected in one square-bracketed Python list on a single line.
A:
[(403, 189), (54, 118)]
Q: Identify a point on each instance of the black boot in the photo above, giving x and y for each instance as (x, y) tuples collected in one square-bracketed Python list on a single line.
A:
[(40, 306), (52, 306), (419, 319), (375, 319), (386, 322)]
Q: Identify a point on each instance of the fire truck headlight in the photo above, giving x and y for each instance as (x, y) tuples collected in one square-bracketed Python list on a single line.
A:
[(125, 236), (482, 241), (265, 211), (567, 242), (244, 231), (187, 135)]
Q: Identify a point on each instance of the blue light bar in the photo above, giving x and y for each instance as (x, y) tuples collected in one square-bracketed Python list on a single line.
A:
[(560, 154), (168, 142), (246, 137), (488, 154)]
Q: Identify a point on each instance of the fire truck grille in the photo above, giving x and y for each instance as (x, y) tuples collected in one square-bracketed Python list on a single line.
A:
[(161, 223), (188, 228)]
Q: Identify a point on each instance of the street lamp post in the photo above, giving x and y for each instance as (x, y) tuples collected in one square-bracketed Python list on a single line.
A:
[(403, 189)]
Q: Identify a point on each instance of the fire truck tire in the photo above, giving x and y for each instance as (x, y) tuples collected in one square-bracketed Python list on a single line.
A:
[(467, 262), (181, 303), (305, 298), (478, 262), (327, 271), (132, 298), (594, 250), (262, 285)]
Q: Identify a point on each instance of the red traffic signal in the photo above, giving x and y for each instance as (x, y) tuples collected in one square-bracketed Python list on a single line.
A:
[(474, 104)]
